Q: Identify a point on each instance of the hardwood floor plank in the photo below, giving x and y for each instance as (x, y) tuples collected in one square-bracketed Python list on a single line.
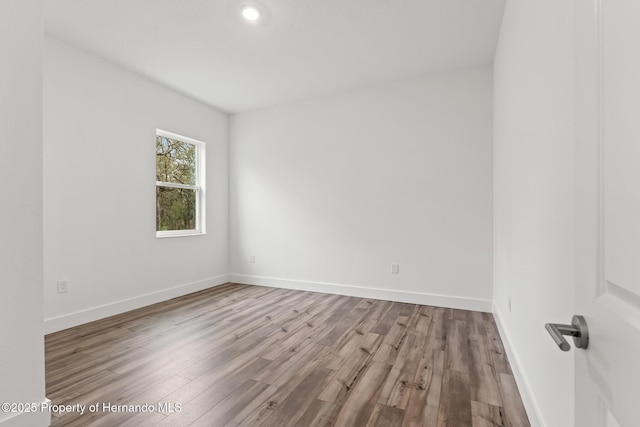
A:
[(378, 308), (388, 351), (476, 323), (230, 406), (459, 315), (282, 370), (455, 404), (496, 349), (307, 329), (484, 415), (422, 407), (197, 400), (514, 412), (286, 385), (388, 319), (478, 348), (86, 369), (341, 385), (397, 388), (457, 347), (484, 380), (357, 337), (420, 319), (385, 416), (406, 309), (101, 379), (293, 408), (342, 326), (253, 406), (241, 355), (221, 378), (484, 385), (320, 414), (441, 322), (356, 411)]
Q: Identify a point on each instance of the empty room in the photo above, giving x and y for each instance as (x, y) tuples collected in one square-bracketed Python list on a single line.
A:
[(320, 213)]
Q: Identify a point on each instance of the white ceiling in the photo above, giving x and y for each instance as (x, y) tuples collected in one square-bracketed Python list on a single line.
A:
[(301, 49)]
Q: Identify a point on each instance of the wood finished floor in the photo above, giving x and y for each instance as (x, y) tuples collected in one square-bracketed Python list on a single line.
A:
[(239, 355)]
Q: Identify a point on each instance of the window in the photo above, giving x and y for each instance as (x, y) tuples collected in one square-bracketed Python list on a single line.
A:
[(180, 172)]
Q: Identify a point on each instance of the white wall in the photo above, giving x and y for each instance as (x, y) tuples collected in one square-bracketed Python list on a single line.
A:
[(328, 192), (21, 334), (533, 210), (99, 190)]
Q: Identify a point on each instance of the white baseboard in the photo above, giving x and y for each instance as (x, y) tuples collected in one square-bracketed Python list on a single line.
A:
[(364, 292), (40, 418), (529, 401), (58, 323)]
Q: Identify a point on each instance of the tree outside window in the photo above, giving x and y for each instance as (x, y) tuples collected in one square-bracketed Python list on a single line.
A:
[(179, 191)]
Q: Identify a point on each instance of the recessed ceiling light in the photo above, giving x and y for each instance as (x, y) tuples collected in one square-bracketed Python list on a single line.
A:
[(251, 13)]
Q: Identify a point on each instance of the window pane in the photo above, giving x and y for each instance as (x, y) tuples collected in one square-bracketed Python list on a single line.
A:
[(175, 209), (175, 161)]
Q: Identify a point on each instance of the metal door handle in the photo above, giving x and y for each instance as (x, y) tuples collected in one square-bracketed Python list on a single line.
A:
[(577, 329)]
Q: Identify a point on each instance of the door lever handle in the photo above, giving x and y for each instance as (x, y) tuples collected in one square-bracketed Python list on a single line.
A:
[(577, 329)]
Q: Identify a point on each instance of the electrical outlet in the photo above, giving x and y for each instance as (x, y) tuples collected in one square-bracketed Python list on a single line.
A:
[(252, 259), (395, 268), (509, 302), (62, 287)]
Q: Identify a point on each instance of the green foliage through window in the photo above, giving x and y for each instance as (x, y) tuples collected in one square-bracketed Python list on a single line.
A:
[(175, 161), (176, 209), (176, 184)]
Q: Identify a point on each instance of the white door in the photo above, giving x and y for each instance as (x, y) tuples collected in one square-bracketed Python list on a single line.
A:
[(607, 170)]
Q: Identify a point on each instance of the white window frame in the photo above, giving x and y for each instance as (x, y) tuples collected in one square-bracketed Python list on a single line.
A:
[(199, 187)]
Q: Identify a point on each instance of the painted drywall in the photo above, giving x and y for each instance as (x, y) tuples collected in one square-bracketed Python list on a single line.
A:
[(21, 334), (327, 193), (99, 190), (533, 193)]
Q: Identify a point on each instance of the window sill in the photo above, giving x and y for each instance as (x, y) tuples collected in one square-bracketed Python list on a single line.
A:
[(165, 234)]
